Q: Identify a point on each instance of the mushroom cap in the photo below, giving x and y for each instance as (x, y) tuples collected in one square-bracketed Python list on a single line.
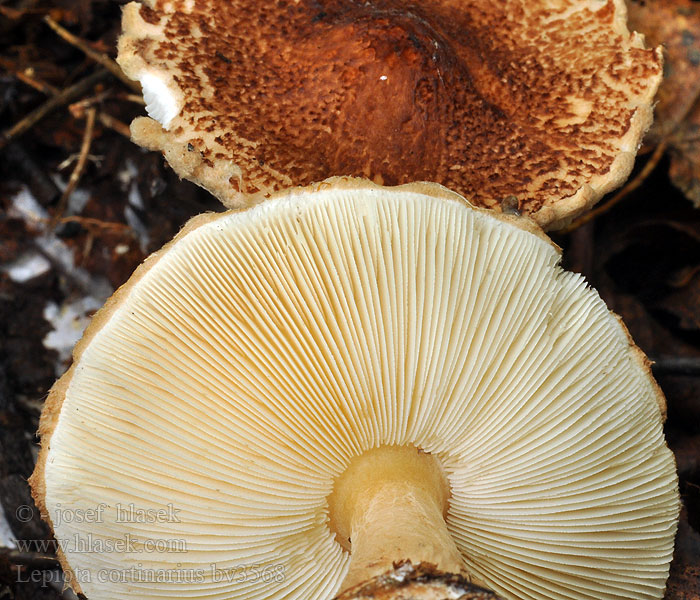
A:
[(545, 101), (239, 371)]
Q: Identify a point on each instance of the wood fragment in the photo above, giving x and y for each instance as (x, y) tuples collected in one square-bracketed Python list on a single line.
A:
[(79, 165), (115, 124), (676, 365), (64, 97), (25, 77), (422, 582), (34, 560), (87, 248), (91, 223), (136, 99), (93, 54), (78, 109), (11, 13)]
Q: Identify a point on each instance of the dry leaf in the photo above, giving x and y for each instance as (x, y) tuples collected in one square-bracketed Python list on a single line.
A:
[(683, 305), (685, 157), (675, 24)]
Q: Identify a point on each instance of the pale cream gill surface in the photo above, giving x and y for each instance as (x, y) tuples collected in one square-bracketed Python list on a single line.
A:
[(269, 347)]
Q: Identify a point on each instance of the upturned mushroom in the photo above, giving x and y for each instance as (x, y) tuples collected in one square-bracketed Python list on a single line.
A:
[(306, 393), (542, 102)]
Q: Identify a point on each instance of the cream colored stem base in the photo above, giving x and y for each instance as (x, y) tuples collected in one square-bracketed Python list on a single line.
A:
[(389, 506), (399, 522)]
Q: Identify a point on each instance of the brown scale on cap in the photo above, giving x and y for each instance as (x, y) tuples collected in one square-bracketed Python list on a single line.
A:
[(543, 101)]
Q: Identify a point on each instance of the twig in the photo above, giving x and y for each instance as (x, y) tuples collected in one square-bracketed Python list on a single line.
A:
[(62, 98), (25, 77), (11, 13), (78, 109), (35, 560), (115, 124), (90, 223), (676, 365), (87, 247), (79, 166), (136, 98), (98, 57), (624, 192), (67, 162)]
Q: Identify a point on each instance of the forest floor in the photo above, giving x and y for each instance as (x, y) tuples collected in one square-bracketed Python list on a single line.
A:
[(81, 206)]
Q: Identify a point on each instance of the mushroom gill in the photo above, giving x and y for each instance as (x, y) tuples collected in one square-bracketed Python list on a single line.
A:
[(249, 370)]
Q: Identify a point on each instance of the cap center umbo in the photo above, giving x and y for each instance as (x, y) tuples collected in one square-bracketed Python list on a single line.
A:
[(388, 505)]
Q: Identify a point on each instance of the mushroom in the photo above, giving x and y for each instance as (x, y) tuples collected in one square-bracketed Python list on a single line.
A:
[(543, 101), (345, 377)]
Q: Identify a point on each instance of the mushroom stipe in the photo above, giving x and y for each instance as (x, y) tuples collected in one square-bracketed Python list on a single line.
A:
[(306, 393)]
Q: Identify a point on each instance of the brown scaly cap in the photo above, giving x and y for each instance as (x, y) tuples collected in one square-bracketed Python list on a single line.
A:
[(423, 582), (544, 101)]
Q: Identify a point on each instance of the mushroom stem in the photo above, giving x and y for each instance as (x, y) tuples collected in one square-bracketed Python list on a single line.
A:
[(388, 506)]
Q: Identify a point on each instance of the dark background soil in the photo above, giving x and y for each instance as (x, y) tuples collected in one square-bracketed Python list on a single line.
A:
[(643, 256)]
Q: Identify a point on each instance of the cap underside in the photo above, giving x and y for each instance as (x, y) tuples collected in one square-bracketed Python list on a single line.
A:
[(242, 372)]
